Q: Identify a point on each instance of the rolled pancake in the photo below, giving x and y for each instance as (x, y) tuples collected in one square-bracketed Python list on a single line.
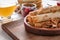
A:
[(44, 17), (45, 10), (43, 14)]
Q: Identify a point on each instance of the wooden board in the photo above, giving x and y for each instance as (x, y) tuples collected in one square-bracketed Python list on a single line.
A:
[(17, 31)]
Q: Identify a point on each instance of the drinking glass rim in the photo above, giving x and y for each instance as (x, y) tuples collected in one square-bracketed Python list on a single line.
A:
[(29, 3), (8, 4)]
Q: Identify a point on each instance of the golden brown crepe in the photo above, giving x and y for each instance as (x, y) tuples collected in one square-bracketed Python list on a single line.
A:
[(46, 10)]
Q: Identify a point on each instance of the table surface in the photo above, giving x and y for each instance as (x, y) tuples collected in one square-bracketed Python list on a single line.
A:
[(16, 30), (4, 36)]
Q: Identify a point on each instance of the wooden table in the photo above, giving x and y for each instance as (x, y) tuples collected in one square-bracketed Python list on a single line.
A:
[(17, 31), (3, 35)]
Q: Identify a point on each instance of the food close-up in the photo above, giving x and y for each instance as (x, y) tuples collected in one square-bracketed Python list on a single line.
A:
[(46, 18), (29, 19)]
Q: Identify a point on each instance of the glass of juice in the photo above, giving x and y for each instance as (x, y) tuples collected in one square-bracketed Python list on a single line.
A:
[(7, 8)]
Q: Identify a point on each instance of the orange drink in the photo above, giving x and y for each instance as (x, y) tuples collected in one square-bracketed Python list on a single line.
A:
[(7, 7), (7, 11)]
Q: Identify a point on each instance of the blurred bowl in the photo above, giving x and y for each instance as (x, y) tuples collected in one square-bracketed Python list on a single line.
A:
[(41, 31)]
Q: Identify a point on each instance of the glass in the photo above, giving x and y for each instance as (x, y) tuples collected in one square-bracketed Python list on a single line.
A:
[(7, 11), (27, 7), (7, 8)]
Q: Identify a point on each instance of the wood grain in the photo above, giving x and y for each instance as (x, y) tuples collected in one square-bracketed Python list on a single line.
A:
[(17, 31)]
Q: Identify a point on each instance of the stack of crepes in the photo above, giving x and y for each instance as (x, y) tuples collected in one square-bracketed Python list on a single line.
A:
[(45, 17)]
